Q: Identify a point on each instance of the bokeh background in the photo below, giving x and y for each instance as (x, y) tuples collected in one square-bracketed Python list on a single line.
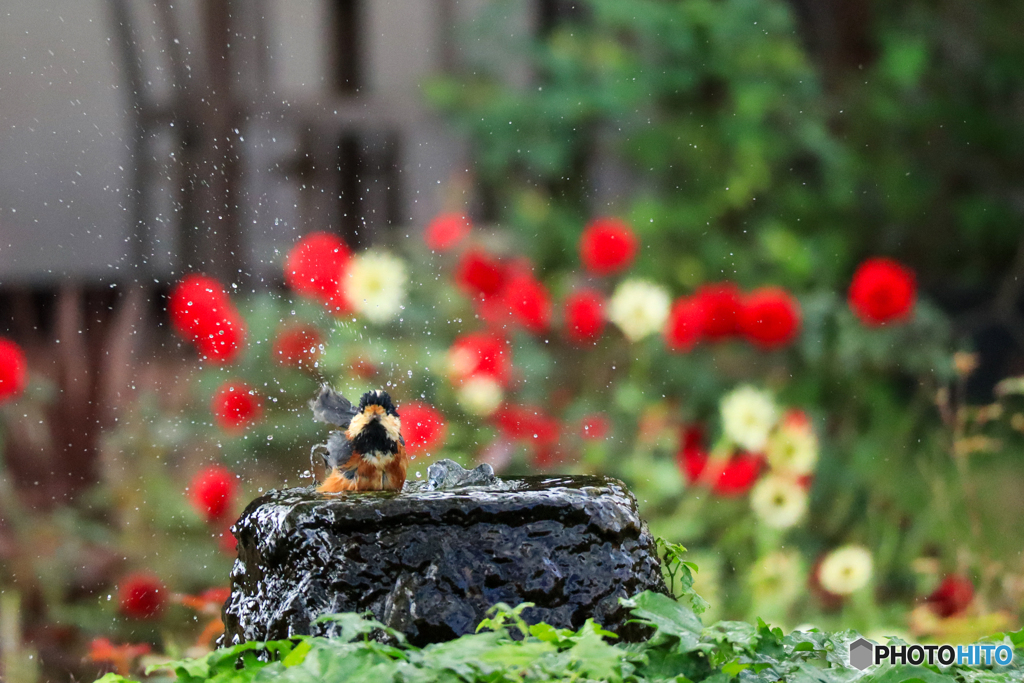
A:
[(639, 239)]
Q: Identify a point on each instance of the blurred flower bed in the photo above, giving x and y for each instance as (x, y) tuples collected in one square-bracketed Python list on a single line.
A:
[(739, 336), (779, 436)]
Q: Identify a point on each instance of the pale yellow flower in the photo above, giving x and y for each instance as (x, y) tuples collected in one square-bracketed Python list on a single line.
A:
[(793, 448), (639, 308), (846, 569), (480, 395), (778, 577), (748, 416), (374, 284), (778, 501)]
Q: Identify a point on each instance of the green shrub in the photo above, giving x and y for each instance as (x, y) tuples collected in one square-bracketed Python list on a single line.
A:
[(505, 648)]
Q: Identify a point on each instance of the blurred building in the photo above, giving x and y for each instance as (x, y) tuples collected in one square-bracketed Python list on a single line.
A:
[(146, 138), (163, 136)]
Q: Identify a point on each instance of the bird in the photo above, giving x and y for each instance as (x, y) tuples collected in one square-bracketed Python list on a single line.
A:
[(367, 453)]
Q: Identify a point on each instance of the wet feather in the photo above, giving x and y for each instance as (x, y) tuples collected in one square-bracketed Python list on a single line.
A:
[(331, 407)]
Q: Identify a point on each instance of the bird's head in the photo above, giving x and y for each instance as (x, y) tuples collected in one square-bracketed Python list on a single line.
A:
[(376, 426)]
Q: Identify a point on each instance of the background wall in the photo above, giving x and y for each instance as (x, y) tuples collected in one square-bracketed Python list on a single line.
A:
[(62, 143)]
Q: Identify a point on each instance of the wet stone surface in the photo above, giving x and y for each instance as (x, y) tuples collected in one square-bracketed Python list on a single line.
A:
[(430, 563)]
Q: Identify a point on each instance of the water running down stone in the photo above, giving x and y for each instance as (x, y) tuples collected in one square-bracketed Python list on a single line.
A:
[(431, 562)]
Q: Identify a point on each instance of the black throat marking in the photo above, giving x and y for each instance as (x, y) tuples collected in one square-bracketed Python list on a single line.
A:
[(374, 438)]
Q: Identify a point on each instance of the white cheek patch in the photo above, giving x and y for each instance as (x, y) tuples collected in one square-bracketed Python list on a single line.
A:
[(393, 427), (356, 425)]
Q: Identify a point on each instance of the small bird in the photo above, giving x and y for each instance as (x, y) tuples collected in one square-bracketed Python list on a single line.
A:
[(368, 453)]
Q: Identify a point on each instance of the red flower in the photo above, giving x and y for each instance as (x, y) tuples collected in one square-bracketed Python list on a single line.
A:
[(102, 650), (446, 231), (480, 274), (363, 368), (594, 427), (141, 596), (196, 303), (235, 405), (13, 370), (314, 266), (769, 317), (493, 311), (531, 426), (480, 353), (608, 245), (882, 291), (543, 456), (213, 491), (520, 423), (422, 426), (720, 303), (224, 344), (692, 456), (209, 601), (952, 596), (737, 475), (796, 420), (297, 347), (201, 312), (685, 324), (226, 540), (727, 478), (529, 302), (584, 316)]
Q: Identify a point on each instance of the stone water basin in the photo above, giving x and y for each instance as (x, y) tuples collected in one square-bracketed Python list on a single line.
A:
[(430, 563)]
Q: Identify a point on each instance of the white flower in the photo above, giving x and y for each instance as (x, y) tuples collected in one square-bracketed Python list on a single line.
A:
[(480, 395), (462, 362), (748, 416), (639, 308), (374, 285), (793, 448), (778, 576), (846, 569), (778, 501)]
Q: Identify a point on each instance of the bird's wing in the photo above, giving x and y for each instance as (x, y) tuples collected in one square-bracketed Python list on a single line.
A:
[(331, 407), (339, 450)]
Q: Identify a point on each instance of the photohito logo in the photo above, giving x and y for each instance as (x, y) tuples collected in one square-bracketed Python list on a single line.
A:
[(864, 653)]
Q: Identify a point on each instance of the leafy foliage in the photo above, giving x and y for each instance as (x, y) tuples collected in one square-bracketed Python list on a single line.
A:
[(507, 649)]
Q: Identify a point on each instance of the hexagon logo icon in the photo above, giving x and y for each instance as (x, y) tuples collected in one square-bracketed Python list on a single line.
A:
[(861, 653)]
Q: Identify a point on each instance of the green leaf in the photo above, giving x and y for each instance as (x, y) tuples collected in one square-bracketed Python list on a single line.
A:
[(354, 626), (550, 634), (667, 616), (298, 655), (519, 655), (462, 656), (907, 674), (720, 677), (596, 658), (1017, 638), (502, 614), (734, 667), (114, 678), (333, 661), (904, 59)]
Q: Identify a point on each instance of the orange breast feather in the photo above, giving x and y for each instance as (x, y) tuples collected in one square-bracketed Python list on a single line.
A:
[(367, 476), (338, 481), (394, 472)]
